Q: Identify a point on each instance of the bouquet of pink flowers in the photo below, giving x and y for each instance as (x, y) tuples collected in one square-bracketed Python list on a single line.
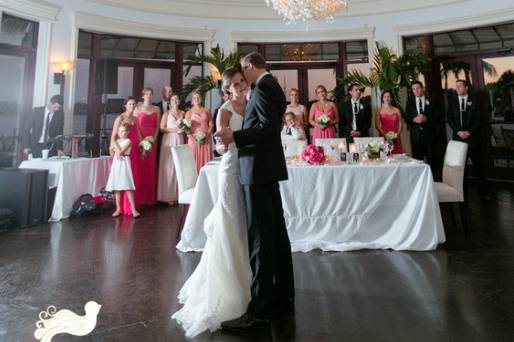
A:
[(313, 154)]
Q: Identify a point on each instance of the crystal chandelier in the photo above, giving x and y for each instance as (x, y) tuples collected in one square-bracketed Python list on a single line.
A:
[(306, 10)]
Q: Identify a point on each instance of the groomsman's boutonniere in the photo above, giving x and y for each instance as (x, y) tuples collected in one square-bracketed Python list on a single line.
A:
[(427, 102), (469, 103), (361, 106)]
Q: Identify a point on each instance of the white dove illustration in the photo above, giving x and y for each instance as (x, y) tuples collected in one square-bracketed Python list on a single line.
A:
[(65, 321)]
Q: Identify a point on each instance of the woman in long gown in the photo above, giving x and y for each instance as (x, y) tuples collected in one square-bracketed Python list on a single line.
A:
[(128, 117), (201, 122), (323, 107), (389, 119), (148, 118), (219, 288), (167, 188)]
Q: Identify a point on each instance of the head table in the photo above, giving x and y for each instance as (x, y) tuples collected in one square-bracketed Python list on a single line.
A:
[(341, 207), (72, 177)]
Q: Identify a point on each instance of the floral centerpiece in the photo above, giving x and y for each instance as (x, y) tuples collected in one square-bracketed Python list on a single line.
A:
[(184, 125), (374, 150), (200, 137), (324, 120), (313, 154), (145, 145), (391, 136)]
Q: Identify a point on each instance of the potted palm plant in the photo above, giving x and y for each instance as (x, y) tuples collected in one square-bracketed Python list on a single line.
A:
[(218, 62)]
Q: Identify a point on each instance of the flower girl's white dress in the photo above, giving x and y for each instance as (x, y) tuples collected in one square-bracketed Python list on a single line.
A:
[(120, 177), (219, 288)]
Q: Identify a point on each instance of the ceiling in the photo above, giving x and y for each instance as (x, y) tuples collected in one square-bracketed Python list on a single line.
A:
[(257, 9)]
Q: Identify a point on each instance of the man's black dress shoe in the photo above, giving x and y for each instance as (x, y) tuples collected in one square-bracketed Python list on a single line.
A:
[(283, 304), (245, 323)]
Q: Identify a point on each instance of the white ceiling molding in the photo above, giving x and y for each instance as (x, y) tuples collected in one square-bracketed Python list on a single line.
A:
[(257, 9), (30, 9), (456, 23), (365, 32), (101, 24)]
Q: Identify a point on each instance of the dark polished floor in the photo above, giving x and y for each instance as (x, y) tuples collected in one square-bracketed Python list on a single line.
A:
[(464, 291)]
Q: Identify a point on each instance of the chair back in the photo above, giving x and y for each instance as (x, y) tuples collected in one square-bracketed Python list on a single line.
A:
[(185, 167), (369, 140), (499, 140), (293, 147), (331, 147), (454, 165), (508, 135)]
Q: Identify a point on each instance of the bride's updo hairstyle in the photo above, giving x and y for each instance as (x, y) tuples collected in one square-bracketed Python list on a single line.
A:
[(226, 78)]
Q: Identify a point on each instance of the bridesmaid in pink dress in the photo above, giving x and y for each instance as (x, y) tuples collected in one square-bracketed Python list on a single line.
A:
[(148, 119), (323, 107), (201, 121), (128, 117), (167, 189), (388, 119)]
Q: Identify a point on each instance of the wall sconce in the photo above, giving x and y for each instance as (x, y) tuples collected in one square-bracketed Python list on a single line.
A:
[(59, 77), (215, 74)]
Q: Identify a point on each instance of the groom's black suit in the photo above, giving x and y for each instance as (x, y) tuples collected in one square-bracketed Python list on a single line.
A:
[(261, 166)]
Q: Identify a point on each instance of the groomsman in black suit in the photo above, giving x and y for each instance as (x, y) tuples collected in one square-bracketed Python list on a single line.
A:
[(355, 116), (43, 125), (165, 105), (464, 120), (421, 115)]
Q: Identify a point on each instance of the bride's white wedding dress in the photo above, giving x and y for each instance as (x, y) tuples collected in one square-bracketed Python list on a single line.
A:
[(219, 288)]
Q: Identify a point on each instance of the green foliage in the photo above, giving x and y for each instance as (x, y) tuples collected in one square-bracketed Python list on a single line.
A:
[(219, 60), (388, 72)]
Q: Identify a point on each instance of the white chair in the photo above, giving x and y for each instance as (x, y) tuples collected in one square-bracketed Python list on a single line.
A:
[(451, 190), (331, 147), (369, 140), (293, 147), (185, 167)]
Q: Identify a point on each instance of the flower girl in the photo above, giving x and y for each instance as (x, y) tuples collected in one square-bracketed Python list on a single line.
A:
[(120, 178)]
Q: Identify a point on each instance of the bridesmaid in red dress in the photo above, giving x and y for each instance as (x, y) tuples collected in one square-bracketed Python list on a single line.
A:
[(388, 119), (323, 107), (148, 119), (201, 121), (128, 117)]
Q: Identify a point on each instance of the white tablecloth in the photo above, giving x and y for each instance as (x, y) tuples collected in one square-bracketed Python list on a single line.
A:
[(342, 207), (72, 177)]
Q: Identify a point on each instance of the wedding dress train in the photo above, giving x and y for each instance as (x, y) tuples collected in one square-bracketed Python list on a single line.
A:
[(219, 288)]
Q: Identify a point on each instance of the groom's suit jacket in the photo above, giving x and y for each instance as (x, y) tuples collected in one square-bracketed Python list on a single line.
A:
[(261, 158)]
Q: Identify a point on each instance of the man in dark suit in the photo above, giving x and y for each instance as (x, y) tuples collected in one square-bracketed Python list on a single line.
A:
[(464, 120), (165, 105), (42, 126), (355, 116), (261, 166), (421, 115)]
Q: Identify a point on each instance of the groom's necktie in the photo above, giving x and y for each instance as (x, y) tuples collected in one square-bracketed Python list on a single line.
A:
[(288, 131)]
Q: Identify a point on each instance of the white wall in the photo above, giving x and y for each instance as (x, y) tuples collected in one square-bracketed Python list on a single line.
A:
[(388, 28)]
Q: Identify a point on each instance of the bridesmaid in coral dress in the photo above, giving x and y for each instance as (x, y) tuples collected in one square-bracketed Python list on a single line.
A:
[(167, 189), (148, 119), (388, 119), (128, 117), (323, 107), (201, 122)]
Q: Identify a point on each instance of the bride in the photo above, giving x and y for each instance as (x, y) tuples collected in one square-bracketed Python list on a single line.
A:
[(219, 288)]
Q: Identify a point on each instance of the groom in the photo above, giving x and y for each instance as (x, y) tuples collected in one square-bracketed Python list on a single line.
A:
[(261, 167)]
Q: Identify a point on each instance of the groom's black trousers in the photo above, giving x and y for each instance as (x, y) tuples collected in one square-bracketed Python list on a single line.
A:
[(269, 248)]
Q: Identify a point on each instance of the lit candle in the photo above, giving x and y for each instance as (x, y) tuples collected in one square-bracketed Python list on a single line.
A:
[(342, 147), (353, 148)]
